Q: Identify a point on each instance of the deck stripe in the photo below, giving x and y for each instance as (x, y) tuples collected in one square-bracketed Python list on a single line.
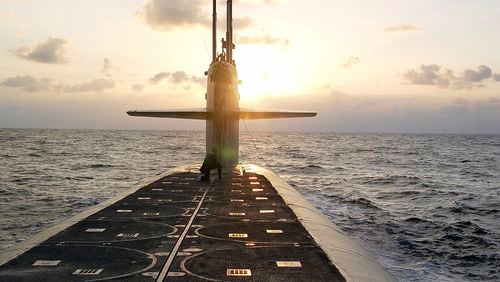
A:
[(173, 253)]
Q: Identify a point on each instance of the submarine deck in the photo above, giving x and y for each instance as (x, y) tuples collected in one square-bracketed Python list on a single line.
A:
[(179, 229)]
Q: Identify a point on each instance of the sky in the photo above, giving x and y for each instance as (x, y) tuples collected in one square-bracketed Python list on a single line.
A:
[(365, 66)]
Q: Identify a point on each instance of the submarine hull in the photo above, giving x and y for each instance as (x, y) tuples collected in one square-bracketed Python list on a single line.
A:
[(249, 225)]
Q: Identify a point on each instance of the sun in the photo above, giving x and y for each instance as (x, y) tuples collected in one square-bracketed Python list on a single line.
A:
[(263, 72)]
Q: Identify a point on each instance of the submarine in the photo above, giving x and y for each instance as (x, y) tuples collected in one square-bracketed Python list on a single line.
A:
[(249, 225)]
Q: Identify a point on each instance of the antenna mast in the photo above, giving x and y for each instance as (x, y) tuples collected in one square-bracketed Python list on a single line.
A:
[(229, 32), (214, 31)]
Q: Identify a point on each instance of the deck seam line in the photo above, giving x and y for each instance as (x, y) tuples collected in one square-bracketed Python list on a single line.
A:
[(175, 249)]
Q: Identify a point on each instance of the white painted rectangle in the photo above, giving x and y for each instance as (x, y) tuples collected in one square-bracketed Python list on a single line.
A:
[(238, 235), (128, 235), (43, 262), (238, 272), (257, 190), (266, 211), (95, 230), (261, 198), (121, 211), (288, 264), (274, 231), (94, 271)]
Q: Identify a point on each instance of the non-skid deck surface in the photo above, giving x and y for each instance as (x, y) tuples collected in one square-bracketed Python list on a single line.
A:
[(180, 229)]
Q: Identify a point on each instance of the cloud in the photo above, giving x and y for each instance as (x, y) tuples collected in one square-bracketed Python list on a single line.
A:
[(28, 83), (444, 78), (95, 85), (430, 75), (52, 51), (242, 23), (167, 15), (400, 28), (263, 39), (107, 67), (157, 78), (137, 87), (350, 62), (177, 77), (496, 76)]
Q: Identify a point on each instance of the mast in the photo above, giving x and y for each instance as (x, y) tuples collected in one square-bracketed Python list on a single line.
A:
[(229, 32), (214, 31)]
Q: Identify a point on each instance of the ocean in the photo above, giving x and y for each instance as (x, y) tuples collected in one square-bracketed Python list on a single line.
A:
[(426, 206)]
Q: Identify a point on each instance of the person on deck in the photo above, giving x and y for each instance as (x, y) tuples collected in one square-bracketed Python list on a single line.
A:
[(210, 163)]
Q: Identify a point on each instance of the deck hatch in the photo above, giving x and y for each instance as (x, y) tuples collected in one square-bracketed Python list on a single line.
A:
[(151, 213), (238, 272), (254, 183), (90, 271), (261, 198), (237, 200), (237, 214), (257, 190)]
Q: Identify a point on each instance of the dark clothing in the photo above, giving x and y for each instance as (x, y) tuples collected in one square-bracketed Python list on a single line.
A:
[(210, 163)]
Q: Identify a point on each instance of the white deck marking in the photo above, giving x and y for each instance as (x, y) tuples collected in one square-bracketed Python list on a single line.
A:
[(173, 253), (94, 271), (266, 211), (95, 230), (274, 231), (238, 272), (44, 262), (288, 264)]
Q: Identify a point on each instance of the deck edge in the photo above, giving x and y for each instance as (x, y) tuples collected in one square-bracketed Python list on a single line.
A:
[(19, 248), (352, 260)]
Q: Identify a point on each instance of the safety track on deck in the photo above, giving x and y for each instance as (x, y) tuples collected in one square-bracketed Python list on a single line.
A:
[(180, 229)]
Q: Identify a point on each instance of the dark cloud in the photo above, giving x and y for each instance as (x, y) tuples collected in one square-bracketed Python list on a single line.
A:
[(137, 87), (444, 78), (95, 85), (177, 77), (27, 83), (263, 39), (52, 51), (350, 62), (400, 28), (107, 67)]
